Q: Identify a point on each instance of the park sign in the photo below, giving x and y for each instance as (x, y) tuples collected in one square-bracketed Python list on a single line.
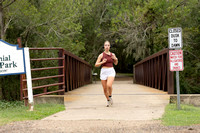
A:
[(15, 60), (175, 38), (12, 59)]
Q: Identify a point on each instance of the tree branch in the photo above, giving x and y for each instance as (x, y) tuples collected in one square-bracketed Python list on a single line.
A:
[(1, 1), (181, 3), (192, 54), (9, 4), (6, 26), (102, 14)]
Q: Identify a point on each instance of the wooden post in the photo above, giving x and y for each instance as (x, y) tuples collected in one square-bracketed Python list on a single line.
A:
[(21, 75), (24, 85)]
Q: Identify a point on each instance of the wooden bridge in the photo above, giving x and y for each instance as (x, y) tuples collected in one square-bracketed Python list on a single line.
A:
[(66, 72)]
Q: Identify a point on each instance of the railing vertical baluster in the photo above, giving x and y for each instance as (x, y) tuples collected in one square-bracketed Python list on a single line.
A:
[(170, 78), (156, 72), (160, 71), (153, 74), (60, 71), (76, 74), (149, 73), (67, 72), (153, 71), (145, 70), (71, 72), (165, 73), (63, 72), (74, 70)]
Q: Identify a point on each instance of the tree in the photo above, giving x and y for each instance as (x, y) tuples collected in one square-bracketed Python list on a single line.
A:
[(53, 23), (4, 22), (4, 25)]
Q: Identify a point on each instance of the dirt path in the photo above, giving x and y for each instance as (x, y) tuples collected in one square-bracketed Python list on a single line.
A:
[(94, 126)]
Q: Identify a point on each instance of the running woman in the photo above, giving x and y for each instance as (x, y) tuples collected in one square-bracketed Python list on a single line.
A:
[(107, 75)]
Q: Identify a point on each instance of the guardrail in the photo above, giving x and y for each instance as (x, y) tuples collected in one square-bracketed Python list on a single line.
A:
[(72, 73), (154, 72), (77, 71)]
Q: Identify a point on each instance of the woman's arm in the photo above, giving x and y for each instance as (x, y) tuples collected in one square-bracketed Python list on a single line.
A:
[(115, 59), (99, 62)]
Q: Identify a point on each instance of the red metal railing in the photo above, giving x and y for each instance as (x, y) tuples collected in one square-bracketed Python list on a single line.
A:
[(77, 72), (153, 71), (73, 72), (60, 75)]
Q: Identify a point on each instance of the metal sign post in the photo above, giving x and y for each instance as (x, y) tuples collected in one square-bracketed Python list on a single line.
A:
[(176, 64), (176, 56), (178, 90)]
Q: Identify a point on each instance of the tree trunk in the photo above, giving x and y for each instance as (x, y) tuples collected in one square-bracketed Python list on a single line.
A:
[(1, 94), (2, 37), (2, 22)]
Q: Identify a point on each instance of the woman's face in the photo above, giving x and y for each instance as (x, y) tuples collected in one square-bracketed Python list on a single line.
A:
[(107, 46)]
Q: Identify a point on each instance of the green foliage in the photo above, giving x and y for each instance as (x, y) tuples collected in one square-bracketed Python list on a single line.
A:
[(15, 111), (188, 115), (136, 29), (10, 87), (6, 105), (53, 23), (143, 28)]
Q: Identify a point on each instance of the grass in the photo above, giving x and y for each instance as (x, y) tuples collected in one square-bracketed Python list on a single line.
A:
[(125, 74), (16, 111), (187, 115), (97, 78)]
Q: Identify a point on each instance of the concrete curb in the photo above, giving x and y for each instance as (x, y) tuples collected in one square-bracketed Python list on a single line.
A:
[(191, 99), (55, 99)]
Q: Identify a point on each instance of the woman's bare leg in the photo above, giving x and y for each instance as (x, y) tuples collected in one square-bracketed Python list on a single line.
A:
[(109, 85), (104, 84)]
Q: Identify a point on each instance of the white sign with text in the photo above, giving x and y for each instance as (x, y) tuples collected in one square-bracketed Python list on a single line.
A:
[(15, 60), (176, 60), (12, 60), (175, 38)]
